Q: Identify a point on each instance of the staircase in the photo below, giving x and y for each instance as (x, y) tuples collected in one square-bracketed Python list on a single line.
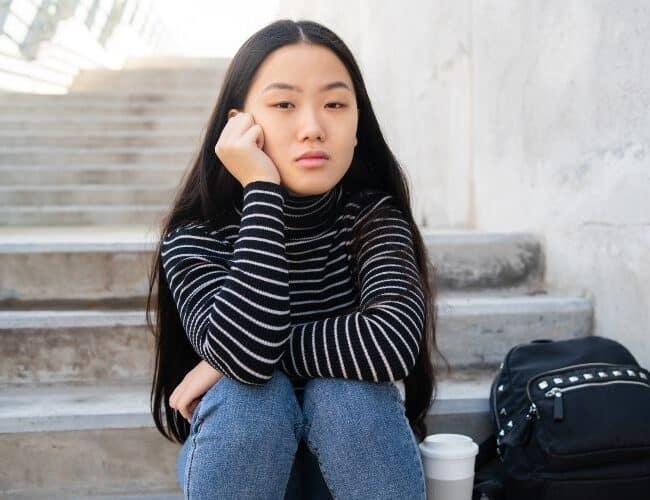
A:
[(75, 356), (111, 151)]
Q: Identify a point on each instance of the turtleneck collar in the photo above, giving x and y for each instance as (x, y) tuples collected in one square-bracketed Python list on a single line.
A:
[(308, 215), (305, 215)]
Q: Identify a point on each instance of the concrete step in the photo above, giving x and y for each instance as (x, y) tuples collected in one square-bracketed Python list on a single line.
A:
[(143, 495), (90, 194), (476, 260), (71, 442), (162, 80), (121, 87), (205, 72), (465, 261), (99, 439), (84, 174), (178, 62), (101, 123), (87, 345), (99, 111), (98, 141), (106, 100), (100, 215), (41, 346), (144, 113), (56, 156)]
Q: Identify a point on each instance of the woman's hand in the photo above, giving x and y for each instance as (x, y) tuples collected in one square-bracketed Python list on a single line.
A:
[(195, 384), (240, 150)]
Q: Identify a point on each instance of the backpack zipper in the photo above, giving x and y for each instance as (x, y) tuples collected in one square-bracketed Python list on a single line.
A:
[(556, 392), (563, 368)]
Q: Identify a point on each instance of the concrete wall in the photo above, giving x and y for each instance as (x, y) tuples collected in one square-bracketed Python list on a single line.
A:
[(528, 116)]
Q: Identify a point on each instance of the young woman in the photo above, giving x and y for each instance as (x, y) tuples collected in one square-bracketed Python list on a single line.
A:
[(295, 313)]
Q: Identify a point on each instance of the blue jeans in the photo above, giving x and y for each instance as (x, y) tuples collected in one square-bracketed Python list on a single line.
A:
[(343, 439)]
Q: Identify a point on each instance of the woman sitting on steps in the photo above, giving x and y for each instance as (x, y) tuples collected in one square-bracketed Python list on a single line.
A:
[(295, 311)]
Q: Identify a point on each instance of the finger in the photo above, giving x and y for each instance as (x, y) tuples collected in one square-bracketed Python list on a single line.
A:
[(188, 409), (241, 116), (173, 397), (253, 134), (192, 408), (186, 414), (236, 126), (261, 138)]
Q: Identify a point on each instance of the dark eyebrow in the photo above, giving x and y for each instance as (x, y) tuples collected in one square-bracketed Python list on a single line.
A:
[(286, 86)]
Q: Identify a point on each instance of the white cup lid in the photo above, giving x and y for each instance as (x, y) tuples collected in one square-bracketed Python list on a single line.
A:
[(448, 446)]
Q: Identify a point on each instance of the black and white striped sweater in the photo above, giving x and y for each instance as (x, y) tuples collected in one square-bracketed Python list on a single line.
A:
[(278, 290)]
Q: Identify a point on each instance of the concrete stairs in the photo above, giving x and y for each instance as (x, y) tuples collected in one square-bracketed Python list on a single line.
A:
[(76, 357), (115, 146)]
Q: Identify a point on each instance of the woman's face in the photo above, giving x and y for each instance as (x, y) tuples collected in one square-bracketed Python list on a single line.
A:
[(307, 117)]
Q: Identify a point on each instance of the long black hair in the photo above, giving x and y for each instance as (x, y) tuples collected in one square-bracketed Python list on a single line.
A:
[(209, 191)]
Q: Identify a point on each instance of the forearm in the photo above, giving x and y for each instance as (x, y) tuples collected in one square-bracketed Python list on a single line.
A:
[(236, 312)]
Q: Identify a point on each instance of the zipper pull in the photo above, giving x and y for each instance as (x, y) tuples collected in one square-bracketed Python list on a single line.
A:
[(558, 406), (532, 411)]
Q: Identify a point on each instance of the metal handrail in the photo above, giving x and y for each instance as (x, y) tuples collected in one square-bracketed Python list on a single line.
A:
[(50, 12)]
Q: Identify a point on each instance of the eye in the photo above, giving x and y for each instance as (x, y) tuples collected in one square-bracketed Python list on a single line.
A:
[(340, 105)]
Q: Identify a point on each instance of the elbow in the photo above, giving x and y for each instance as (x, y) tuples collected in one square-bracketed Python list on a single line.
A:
[(250, 368), (410, 367), (401, 371), (250, 375), (410, 358)]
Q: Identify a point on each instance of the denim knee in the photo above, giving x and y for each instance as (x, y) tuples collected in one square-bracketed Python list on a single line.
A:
[(367, 419), (250, 409), (353, 400), (238, 428)]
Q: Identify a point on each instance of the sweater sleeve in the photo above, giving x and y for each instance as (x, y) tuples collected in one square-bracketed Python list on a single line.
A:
[(235, 311), (378, 341)]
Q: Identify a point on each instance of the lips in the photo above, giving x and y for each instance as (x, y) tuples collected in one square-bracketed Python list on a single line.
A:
[(313, 155)]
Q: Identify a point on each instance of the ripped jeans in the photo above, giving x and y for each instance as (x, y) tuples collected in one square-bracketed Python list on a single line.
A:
[(343, 439)]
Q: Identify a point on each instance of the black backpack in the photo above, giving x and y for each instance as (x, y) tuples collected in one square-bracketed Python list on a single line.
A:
[(572, 422)]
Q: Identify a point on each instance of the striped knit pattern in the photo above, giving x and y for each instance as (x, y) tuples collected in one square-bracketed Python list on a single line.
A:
[(279, 289)]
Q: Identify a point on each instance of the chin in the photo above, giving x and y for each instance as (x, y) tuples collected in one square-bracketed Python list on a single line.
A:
[(308, 188)]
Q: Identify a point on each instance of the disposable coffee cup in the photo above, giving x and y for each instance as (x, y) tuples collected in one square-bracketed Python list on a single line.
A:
[(448, 461)]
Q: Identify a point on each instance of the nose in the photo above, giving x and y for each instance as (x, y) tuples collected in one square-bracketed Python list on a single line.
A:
[(310, 126)]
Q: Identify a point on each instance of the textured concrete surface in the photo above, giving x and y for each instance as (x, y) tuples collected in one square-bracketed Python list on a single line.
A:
[(86, 461)]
